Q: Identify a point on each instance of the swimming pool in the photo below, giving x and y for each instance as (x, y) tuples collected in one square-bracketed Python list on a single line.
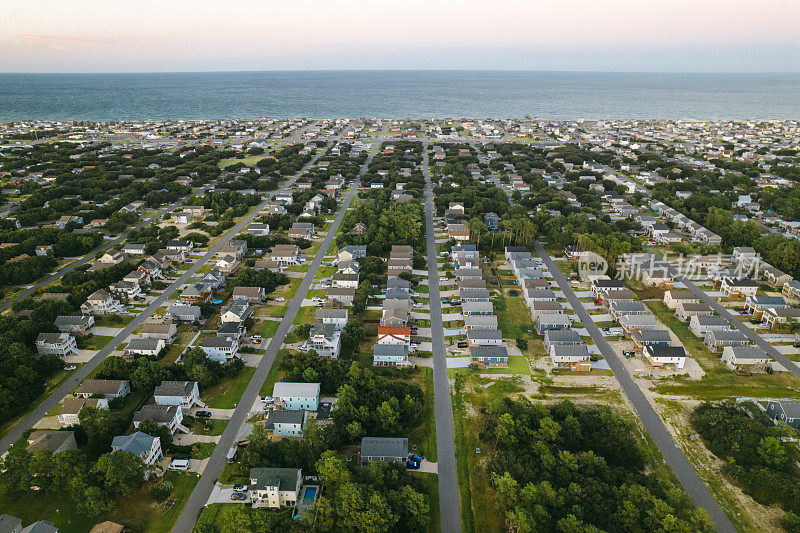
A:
[(310, 493)]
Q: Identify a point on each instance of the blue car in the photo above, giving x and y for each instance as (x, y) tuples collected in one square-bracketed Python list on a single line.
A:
[(414, 457), (412, 465)]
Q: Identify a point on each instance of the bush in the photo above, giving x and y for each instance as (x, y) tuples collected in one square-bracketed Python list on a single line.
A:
[(161, 491)]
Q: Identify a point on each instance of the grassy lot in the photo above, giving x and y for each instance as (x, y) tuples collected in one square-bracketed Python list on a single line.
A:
[(216, 516), (513, 316), (316, 292), (212, 427), (185, 335), (137, 511), (113, 321), (719, 382), (517, 364), (289, 290), (275, 375), (325, 272), (202, 450), (305, 315), (425, 435), (226, 393), (247, 161), (93, 342), (266, 328)]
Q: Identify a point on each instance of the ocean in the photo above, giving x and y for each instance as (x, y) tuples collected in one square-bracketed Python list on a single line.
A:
[(399, 94)]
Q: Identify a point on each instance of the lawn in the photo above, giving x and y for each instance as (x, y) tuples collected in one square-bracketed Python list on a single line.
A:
[(227, 393), (424, 436), (275, 375), (137, 511), (513, 316), (265, 328), (93, 342), (289, 290), (248, 161), (325, 272), (113, 321), (305, 315), (202, 450), (212, 427), (215, 515)]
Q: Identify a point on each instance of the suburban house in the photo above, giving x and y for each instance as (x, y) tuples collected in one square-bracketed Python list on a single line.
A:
[(609, 296), (390, 355), (548, 321), (71, 407), (133, 249), (352, 252), (142, 445), (106, 388), (480, 322), (673, 297), (325, 339), (157, 328), (773, 276), (665, 356), (126, 291), (169, 416), (748, 358), (144, 346), (285, 254), (489, 356), (60, 344), (343, 295), (651, 337), (546, 307), (385, 449), (258, 228), (702, 324), (183, 393), (791, 289), (184, 313), (301, 230), (238, 311), (394, 335), (100, 303), (737, 289), (686, 310), (227, 263), (342, 280), (252, 295), (286, 423), (52, 441), (178, 245), (619, 309), (602, 285), (718, 340), (220, 349), (79, 325), (484, 337), (775, 317), (275, 487), (785, 411), (296, 396), (574, 356), (337, 317), (757, 304), (566, 337), (631, 323)]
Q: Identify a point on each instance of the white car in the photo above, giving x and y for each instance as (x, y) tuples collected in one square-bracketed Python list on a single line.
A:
[(280, 299)]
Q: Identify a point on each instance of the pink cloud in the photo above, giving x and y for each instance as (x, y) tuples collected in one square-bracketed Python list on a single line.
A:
[(62, 43)]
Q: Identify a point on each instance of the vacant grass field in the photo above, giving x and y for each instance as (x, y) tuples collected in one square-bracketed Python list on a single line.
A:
[(226, 393)]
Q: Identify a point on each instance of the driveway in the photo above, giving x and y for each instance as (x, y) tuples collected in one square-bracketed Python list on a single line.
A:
[(221, 414), (222, 494)]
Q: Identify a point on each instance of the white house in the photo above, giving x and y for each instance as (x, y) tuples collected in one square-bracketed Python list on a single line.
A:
[(169, 416), (750, 358), (296, 396), (100, 303), (60, 344), (570, 355), (142, 445), (325, 340), (275, 487), (220, 349), (660, 355), (183, 393)]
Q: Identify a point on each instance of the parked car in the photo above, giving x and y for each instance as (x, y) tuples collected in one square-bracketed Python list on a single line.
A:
[(414, 457), (240, 488), (280, 299), (203, 414), (70, 367), (238, 496), (179, 464), (412, 465)]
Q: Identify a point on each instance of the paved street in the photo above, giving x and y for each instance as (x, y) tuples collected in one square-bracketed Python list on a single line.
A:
[(449, 506), (652, 422), (51, 401), (205, 486)]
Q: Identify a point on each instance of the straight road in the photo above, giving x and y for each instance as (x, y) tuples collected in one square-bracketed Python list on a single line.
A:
[(691, 482), (202, 491), (449, 504), (51, 401), (754, 337)]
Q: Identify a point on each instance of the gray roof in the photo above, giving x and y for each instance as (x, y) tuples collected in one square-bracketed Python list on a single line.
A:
[(9, 523), (488, 351), (748, 352), (552, 318), (135, 443), (157, 413), (322, 329), (42, 526), (143, 344), (47, 440), (484, 334), (560, 335), (569, 350), (285, 416), (652, 335), (284, 389), (330, 313), (174, 388), (67, 320), (710, 320), (727, 335), (283, 478), (389, 350), (666, 351), (791, 408), (384, 447), (217, 342), (101, 386)]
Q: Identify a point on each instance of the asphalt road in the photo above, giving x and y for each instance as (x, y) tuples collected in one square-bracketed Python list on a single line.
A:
[(51, 401), (687, 476), (754, 337), (197, 501), (449, 503)]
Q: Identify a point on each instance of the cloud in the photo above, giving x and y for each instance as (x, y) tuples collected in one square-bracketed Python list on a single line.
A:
[(63, 43)]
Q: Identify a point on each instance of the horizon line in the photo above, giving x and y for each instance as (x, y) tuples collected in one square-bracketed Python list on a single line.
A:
[(520, 70)]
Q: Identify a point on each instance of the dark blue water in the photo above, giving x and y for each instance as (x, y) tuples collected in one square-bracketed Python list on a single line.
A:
[(399, 94)]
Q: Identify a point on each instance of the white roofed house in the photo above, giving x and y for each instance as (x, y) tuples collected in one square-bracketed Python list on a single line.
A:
[(100, 302), (183, 393), (145, 346), (296, 396), (228, 263), (747, 358), (673, 297), (220, 349), (60, 344), (686, 310)]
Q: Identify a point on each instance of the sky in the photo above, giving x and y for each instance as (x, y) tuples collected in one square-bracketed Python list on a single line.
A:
[(580, 35)]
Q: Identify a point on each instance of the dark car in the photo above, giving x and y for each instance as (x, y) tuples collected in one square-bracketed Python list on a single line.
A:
[(414, 457), (240, 488), (203, 414), (463, 344), (412, 465), (238, 496)]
